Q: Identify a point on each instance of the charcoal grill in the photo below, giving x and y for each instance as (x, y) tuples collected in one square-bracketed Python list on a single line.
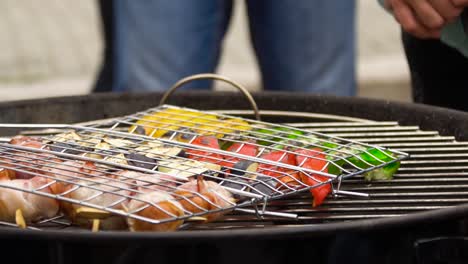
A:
[(419, 216)]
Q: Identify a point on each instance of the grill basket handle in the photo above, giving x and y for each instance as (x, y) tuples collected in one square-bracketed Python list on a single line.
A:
[(213, 77)]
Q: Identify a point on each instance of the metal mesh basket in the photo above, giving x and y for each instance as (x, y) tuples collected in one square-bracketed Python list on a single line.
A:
[(170, 164)]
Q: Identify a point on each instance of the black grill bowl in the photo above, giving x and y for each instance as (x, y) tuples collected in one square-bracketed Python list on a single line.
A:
[(414, 238)]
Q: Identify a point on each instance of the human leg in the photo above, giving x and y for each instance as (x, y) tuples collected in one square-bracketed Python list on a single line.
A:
[(159, 42), (104, 78), (305, 45)]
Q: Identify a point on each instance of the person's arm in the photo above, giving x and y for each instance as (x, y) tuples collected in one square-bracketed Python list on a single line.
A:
[(442, 19)]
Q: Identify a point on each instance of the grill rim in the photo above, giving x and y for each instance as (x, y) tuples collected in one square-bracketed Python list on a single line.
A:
[(446, 121), (268, 233)]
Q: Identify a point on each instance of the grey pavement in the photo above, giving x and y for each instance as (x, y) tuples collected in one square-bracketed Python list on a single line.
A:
[(53, 48)]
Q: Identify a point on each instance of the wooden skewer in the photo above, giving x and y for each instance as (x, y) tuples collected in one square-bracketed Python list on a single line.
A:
[(19, 218), (196, 219), (125, 208), (96, 223), (91, 213)]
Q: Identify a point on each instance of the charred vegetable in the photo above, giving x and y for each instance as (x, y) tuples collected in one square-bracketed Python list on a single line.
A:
[(68, 148), (159, 150), (118, 159), (138, 160), (236, 183), (241, 167), (186, 168), (245, 168), (265, 185)]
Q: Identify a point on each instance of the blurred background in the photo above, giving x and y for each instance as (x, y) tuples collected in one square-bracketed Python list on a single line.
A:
[(53, 48)]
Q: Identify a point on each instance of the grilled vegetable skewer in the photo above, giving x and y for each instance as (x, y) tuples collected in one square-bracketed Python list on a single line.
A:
[(108, 194)]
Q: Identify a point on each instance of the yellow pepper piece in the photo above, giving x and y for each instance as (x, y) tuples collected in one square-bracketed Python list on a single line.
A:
[(148, 123), (172, 119), (159, 132), (208, 127), (238, 124)]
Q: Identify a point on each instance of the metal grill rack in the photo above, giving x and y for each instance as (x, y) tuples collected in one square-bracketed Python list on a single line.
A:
[(119, 144), (173, 125), (184, 126)]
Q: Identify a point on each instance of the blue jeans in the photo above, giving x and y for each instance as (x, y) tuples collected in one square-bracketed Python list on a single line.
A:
[(300, 45)]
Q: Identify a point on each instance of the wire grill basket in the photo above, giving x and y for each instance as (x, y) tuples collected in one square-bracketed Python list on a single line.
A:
[(170, 164)]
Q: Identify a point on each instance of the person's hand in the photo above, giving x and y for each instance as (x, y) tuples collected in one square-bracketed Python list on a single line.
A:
[(425, 18)]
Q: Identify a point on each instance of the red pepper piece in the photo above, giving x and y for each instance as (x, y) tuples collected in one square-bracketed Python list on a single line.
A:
[(288, 177), (246, 149), (203, 155), (316, 160), (276, 156)]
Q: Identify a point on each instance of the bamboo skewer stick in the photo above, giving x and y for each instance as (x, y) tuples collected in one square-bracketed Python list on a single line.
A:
[(19, 218), (96, 223)]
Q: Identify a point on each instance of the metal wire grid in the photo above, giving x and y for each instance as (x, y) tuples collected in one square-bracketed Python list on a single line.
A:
[(177, 124), (85, 143), (135, 156), (254, 184)]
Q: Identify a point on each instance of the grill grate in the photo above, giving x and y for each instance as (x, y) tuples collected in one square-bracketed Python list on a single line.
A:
[(383, 201), (111, 147)]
